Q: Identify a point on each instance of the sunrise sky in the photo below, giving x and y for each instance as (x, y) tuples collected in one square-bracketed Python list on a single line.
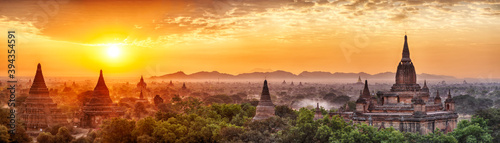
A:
[(460, 38)]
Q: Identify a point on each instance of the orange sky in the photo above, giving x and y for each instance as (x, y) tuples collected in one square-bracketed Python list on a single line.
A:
[(127, 38)]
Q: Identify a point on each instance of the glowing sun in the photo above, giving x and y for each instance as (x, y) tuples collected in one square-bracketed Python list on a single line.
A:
[(114, 51)]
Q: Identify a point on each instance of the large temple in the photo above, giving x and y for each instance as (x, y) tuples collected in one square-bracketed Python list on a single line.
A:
[(100, 106), (40, 112), (265, 108), (407, 107)]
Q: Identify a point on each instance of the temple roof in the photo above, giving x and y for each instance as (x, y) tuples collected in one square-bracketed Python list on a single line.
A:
[(366, 91), (39, 86), (406, 52), (101, 85), (425, 88), (449, 99), (265, 92), (101, 92), (437, 96), (141, 83)]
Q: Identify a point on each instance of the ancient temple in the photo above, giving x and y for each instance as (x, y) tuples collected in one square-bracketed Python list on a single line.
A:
[(359, 81), (170, 84), (318, 114), (40, 112), (184, 86), (265, 108), (141, 85), (100, 106), (157, 100), (141, 98), (406, 107), (284, 82)]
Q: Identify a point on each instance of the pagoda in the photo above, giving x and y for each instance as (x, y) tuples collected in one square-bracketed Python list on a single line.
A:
[(318, 114), (100, 106), (141, 85), (40, 112), (406, 107), (170, 84), (359, 81), (265, 108)]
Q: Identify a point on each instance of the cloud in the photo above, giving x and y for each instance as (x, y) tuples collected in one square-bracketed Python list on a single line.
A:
[(159, 22)]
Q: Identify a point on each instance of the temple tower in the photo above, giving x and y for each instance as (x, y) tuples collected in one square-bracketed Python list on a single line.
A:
[(100, 106), (359, 80), (449, 103), (265, 109), (364, 99), (170, 84), (318, 114), (40, 112), (406, 77), (141, 85)]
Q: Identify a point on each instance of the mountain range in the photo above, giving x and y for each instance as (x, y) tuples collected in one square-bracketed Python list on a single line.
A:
[(280, 74)]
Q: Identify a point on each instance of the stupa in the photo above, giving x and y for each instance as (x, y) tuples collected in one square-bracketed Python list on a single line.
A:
[(100, 106), (40, 111), (265, 108)]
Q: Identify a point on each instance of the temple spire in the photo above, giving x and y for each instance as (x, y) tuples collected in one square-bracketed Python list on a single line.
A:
[(38, 85), (406, 51), (265, 92), (366, 91), (100, 83)]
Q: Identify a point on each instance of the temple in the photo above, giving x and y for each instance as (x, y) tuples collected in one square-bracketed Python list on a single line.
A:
[(40, 112), (170, 84), (406, 107), (141, 85), (265, 108), (359, 81), (318, 114), (100, 106)]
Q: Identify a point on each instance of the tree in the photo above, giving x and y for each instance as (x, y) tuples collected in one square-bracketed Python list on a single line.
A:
[(145, 139), (117, 130), (145, 126), (493, 117), (20, 136), (475, 130), (284, 111), (45, 137), (63, 136)]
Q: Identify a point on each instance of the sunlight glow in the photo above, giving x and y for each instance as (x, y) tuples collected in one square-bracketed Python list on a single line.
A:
[(114, 51)]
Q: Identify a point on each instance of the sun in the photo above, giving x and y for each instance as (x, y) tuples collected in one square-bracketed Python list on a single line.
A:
[(114, 51)]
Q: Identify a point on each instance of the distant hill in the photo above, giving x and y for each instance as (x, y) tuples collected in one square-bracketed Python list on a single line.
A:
[(280, 74)]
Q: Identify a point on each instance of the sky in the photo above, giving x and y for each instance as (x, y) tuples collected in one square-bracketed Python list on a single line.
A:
[(73, 38)]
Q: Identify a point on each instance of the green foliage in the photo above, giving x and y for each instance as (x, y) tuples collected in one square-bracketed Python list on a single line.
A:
[(232, 123), (493, 117), (144, 126), (473, 131), (284, 111), (117, 130)]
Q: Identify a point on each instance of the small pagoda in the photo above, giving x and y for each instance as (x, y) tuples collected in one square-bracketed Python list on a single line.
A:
[(100, 106), (40, 112), (265, 108)]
